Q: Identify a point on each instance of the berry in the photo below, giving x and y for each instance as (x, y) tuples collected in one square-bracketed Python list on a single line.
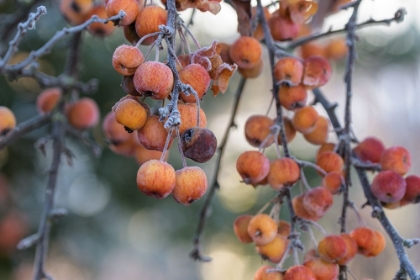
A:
[(199, 144), (191, 184), (156, 178)]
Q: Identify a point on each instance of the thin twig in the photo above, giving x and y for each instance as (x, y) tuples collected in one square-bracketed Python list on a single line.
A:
[(196, 253), (24, 128), (398, 17)]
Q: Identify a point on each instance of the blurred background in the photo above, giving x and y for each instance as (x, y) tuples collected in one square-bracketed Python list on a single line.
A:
[(113, 231)]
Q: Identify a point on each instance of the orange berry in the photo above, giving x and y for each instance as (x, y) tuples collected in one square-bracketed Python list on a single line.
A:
[(154, 79), (142, 155), (299, 272), (156, 178), (320, 133), (289, 70), (317, 71), (148, 21), (263, 274), (130, 7), (188, 113), (262, 229), (47, 100), (289, 130), (317, 201), (332, 181), (274, 250), (114, 132), (336, 49), (7, 120), (284, 228), (191, 184), (312, 49), (246, 52), (197, 77), (370, 243), (83, 114), (396, 158), (351, 249), (75, 10), (126, 59), (293, 98), (240, 227), (257, 129), (253, 167), (253, 72), (305, 119), (153, 134), (323, 270), (282, 28), (332, 248), (300, 209), (130, 114), (283, 172), (330, 161), (327, 147)]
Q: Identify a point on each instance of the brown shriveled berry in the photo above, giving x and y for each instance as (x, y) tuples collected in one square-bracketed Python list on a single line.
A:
[(199, 144), (153, 134), (332, 248), (154, 79), (83, 114), (263, 274), (317, 201), (7, 120), (99, 29), (253, 167), (305, 119), (370, 149), (283, 172), (289, 130), (288, 70), (246, 52), (224, 52), (293, 98), (257, 131), (131, 114), (317, 71), (130, 7), (274, 250), (48, 99), (262, 229), (240, 227), (191, 184), (388, 186), (148, 21), (396, 158), (156, 178), (320, 133), (126, 59), (197, 77)]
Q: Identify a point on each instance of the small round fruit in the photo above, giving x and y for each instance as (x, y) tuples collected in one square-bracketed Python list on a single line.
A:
[(330, 162), (262, 229), (126, 59), (246, 52), (253, 167), (293, 98), (288, 70), (263, 274), (199, 144), (198, 78), (153, 134), (396, 158), (156, 178), (154, 79), (305, 119), (317, 201), (130, 7), (317, 71), (290, 131), (7, 120), (320, 133), (388, 186), (48, 99), (351, 249), (188, 113), (333, 181), (299, 272), (83, 114), (275, 250), (322, 269), (283, 172), (142, 155), (114, 132), (240, 227), (148, 21), (370, 149), (130, 114), (100, 29), (332, 248), (412, 192), (191, 184), (257, 131)]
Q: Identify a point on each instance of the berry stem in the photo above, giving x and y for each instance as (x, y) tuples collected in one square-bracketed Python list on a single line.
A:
[(181, 152), (168, 139)]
